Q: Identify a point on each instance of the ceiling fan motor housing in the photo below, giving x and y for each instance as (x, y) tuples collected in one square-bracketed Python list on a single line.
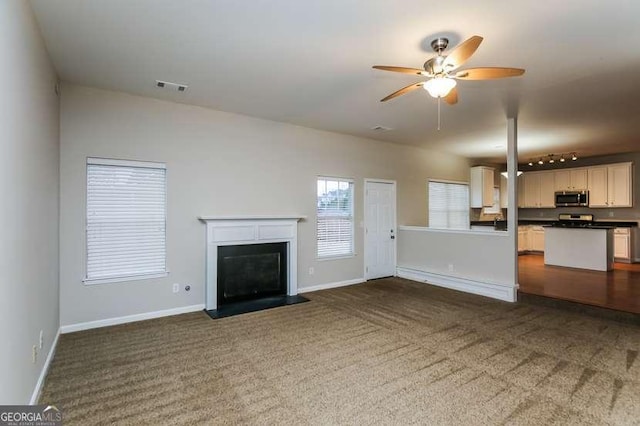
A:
[(434, 65)]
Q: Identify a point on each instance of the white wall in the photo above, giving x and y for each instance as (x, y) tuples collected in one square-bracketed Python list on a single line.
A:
[(218, 164), (29, 161), (478, 262)]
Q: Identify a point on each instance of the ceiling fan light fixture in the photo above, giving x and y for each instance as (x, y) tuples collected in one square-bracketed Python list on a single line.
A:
[(439, 87)]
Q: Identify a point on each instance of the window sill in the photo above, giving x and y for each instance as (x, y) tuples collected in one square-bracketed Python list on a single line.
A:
[(343, 256), (93, 281)]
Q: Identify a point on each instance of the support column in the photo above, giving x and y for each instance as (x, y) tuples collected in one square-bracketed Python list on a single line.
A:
[(512, 193)]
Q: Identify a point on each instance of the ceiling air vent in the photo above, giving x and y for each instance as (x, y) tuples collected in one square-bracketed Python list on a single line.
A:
[(171, 86), (381, 128)]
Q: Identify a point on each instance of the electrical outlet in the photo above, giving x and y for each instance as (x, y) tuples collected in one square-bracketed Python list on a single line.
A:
[(176, 287), (34, 354), (451, 267), (610, 214), (311, 270), (41, 341)]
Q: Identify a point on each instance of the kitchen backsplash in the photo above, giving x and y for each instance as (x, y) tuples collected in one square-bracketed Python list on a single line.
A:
[(598, 214)]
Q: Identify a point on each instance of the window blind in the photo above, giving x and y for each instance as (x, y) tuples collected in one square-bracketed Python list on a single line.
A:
[(448, 205), (335, 217), (126, 215)]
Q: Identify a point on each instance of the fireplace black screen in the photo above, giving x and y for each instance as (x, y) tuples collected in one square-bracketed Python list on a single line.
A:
[(252, 271)]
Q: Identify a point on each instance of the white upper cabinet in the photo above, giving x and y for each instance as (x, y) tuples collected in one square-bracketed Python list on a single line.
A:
[(539, 190), (619, 185), (547, 190), (571, 179), (504, 192), (481, 187), (598, 190), (610, 186)]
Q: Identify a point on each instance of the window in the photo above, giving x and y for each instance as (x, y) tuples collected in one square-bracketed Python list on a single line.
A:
[(448, 205), (126, 205), (335, 217)]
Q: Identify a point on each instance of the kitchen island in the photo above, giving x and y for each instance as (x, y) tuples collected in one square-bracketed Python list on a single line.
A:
[(579, 247)]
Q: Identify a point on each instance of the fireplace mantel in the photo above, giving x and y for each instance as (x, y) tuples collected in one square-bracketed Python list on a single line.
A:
[(240, 230), (269, 217)]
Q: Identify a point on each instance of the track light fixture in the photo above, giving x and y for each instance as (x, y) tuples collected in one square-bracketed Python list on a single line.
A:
[(552, 158)]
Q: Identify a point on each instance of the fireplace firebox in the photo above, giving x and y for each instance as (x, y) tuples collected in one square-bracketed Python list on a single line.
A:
[(251, 271)]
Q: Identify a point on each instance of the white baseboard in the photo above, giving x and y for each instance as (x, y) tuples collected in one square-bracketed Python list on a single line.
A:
[(492, 290), (45, 370), (330, 285), (130, 318)]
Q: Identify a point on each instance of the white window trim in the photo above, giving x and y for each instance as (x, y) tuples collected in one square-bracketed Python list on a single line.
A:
[(353, 219), (133, 277)]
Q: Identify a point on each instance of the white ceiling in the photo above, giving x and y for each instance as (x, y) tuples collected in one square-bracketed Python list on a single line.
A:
[(309, 63)]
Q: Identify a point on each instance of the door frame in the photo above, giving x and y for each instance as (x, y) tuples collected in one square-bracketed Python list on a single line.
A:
[(395, 223)]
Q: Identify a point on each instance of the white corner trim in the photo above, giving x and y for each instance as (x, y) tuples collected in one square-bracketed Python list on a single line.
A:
[(492, 290), (130, 318), (330, 285), (45, 370)]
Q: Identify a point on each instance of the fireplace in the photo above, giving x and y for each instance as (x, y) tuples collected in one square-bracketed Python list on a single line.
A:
[(251, 263), (251, 271)]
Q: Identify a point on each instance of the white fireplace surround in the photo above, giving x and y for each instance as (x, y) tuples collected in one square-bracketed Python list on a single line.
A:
[(239, 230)]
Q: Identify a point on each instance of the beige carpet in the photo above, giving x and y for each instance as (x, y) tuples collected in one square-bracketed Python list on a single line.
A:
[(387, 352)]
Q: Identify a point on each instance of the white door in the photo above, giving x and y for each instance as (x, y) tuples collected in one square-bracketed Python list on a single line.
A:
[(380, 229)]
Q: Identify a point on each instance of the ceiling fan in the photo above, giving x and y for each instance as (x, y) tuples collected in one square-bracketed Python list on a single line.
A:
[(440, 70)]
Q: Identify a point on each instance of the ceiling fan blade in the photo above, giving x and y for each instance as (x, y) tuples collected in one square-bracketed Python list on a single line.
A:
[(452, 97), (488, 73), (462, 53), (399, 69), (403, 91)]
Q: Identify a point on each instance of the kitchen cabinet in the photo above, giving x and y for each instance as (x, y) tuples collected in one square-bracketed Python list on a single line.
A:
[(530, 238), (598, 190), (539, 189), (571, 179), (536, 239), (622, 244), (619, 185), (523, 238), (481, 187), (504, 197), (610, 185)]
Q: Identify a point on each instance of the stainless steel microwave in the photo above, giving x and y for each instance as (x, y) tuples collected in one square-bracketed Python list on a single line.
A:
[(572, 199)]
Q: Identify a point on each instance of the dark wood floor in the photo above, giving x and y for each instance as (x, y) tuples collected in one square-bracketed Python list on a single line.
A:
[(618, 289)]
